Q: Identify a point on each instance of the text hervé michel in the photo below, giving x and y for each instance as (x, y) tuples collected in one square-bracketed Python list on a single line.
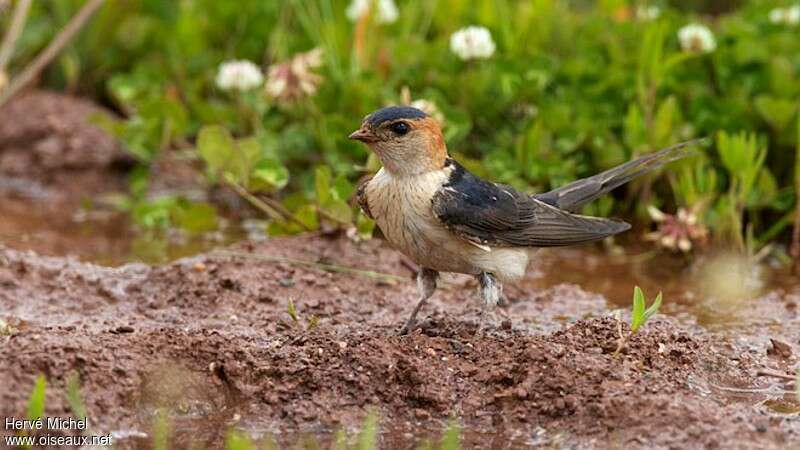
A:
[(50, 423)]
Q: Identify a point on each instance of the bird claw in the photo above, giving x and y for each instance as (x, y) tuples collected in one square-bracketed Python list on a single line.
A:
[(407, 328)]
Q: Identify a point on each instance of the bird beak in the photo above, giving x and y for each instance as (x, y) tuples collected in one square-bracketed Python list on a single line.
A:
[(363, 134)]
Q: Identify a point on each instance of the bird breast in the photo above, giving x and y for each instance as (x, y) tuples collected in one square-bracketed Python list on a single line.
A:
[(402, 209)]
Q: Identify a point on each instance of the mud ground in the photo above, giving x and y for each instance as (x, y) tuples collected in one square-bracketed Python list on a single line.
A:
[(209, 340)]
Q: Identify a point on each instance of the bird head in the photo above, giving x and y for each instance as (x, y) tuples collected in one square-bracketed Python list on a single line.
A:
[(406, 140)]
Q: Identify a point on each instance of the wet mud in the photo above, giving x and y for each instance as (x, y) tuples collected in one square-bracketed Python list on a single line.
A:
[(209, 339)]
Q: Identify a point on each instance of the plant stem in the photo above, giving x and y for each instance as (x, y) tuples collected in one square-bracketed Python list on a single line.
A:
[(621, 345), (13, 32), (274, 210), (52, 50), (623, 339), (773, 374)]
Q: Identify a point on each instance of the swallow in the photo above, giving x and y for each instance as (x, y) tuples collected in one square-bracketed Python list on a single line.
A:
[(446, 219)]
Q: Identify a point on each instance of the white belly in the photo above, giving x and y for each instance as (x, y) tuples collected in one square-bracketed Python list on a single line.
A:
[(402, 210)]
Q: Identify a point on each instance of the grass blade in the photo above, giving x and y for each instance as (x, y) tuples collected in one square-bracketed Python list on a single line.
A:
[(36, 402), (637, 316)]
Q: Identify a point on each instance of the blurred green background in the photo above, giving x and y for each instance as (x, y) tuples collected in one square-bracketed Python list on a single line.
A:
[(572, 88)]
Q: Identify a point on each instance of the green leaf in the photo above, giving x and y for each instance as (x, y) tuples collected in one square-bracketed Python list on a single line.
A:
[(653, 309), (637, 316), (339, 211), (778, 112), (36, 401), (666, 117), (322, 184), (156, 213), (216, 146), (365, 226), (245, 158), (634, 128), (269, 175), (290, 309), (73, 394)]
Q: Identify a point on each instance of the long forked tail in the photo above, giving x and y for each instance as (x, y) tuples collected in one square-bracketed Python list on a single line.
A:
[(576, 194)]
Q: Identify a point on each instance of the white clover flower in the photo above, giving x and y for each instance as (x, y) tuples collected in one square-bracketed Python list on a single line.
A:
[(793, 15), (651, 12), (387, 11), (241, 75), (472, 42), (786, 16), (697, 38)]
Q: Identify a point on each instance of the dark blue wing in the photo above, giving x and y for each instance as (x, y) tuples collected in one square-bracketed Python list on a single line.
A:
[(493, 214)]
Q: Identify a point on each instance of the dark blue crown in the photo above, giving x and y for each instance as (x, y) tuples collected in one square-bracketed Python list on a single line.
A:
[(394, 113)]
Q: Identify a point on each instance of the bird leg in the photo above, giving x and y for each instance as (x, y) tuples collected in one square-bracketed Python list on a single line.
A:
[(490, 290), (426, 285)]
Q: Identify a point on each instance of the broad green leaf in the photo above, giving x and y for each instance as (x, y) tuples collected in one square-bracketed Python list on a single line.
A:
[(245, 158), (37, 398), (778, 112), (339, 211), (269, 175), (343, 188), (216, 146)]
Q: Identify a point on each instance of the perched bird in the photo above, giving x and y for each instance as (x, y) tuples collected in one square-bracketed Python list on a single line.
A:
[(446, 219)]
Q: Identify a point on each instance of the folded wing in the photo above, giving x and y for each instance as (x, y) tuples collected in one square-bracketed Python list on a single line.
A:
[(492, 214)]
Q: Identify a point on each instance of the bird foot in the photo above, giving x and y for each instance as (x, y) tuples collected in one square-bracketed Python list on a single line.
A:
[(409, 326)]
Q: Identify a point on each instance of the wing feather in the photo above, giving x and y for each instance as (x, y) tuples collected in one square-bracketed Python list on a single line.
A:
[(490, 214)]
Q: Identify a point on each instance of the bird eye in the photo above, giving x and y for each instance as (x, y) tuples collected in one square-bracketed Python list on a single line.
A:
[(400, 128)]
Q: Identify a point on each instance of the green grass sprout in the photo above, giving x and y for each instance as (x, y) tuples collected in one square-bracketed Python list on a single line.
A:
[(37, 399), (639, 316), (292, 311), (235, 440), (161, 430), (451, 439), (73, 395), (368, 437)]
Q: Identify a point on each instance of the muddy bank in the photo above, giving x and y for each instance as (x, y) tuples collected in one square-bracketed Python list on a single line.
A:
[(209, 338), (50, 149)]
